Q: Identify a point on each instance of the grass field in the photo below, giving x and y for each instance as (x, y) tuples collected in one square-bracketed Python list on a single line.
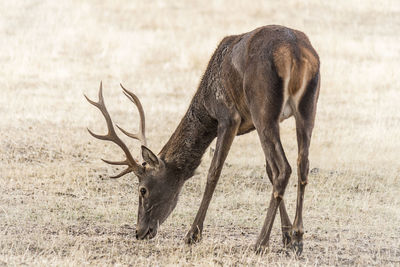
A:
[(57, 205)]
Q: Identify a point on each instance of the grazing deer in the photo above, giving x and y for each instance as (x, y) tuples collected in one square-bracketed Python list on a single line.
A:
[(253, 81)]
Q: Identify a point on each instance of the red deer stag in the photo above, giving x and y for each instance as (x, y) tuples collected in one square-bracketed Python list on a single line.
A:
[(253, 81)]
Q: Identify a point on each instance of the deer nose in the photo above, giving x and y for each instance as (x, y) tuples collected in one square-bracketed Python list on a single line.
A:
[(137, 236)]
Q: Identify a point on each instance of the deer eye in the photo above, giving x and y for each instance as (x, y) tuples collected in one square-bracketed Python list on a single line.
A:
[(143, 191)]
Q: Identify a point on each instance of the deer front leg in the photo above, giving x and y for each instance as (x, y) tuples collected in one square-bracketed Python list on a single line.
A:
[(227, 131)]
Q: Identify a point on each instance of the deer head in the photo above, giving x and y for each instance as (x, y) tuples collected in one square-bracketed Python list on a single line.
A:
[(158, 190)]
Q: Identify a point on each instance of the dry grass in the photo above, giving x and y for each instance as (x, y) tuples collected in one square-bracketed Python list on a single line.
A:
[(57, 206)]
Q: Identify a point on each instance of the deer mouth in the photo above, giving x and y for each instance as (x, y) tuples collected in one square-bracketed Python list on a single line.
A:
[(149, 234)]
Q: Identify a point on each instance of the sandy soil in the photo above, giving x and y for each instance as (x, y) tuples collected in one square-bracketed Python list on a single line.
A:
[(57, 205)]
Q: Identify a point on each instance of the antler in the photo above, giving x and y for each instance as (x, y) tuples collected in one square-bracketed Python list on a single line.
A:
[(141, 136), (113, 137)]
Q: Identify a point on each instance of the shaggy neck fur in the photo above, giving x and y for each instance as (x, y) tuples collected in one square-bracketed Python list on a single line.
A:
[(185, 148)]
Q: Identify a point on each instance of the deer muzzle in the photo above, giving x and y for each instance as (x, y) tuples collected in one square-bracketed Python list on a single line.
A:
[(145, 233)]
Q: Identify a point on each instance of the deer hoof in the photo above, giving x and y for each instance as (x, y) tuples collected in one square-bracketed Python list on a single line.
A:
[(286, 239), (296, 244), (261, 249), (192, 237), (297, 247)]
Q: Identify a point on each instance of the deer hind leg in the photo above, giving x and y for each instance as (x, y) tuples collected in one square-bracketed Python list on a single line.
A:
[(280, 169), (227, 130), (303, 138), (265, 97), (286, 225), (305, 116)]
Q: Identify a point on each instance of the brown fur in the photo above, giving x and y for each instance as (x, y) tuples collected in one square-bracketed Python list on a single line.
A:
[(252, 81)]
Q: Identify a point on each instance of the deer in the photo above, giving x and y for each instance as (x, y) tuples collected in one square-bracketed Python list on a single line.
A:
[(253, 81)]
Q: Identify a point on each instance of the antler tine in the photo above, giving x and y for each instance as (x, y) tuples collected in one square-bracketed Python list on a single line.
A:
[(134, 136), (127, 170), (98, 136), (123, 162), (141, 135), (113, 137)]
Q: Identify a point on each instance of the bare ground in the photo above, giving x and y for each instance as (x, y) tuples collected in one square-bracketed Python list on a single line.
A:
[(57, 205)]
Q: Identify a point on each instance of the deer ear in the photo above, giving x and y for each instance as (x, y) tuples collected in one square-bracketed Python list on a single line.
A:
[(149, 157)]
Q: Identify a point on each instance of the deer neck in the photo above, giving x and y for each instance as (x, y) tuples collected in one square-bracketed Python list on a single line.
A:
[(186, 146)]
